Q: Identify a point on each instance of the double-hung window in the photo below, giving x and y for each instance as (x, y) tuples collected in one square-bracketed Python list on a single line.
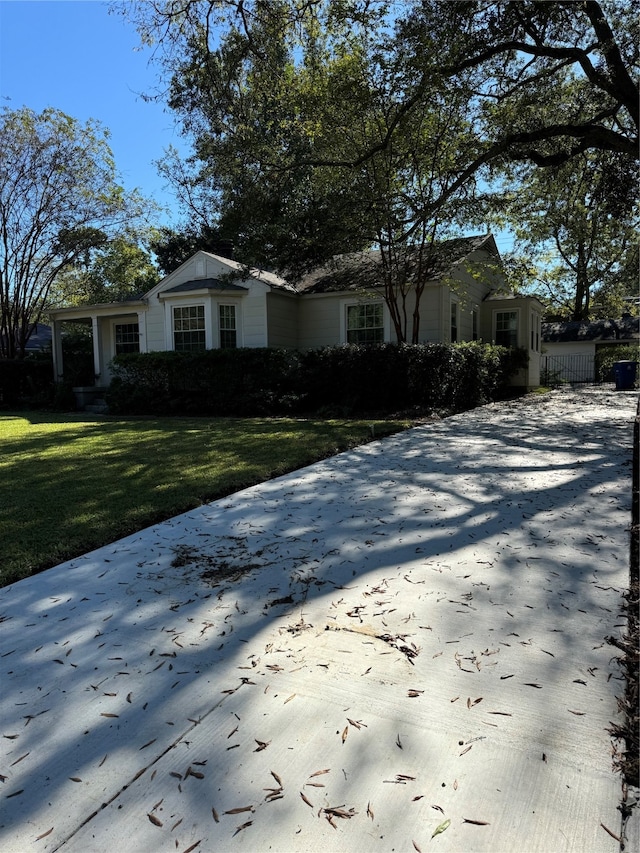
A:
[(189, 328), (127, 337), (507, 328), (365, 323), (227, 326)]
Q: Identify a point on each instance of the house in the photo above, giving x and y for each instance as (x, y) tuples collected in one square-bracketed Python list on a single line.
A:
[(569, 348), (211, 302), (39, 339)]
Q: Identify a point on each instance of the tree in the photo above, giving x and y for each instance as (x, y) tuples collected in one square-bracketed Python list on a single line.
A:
[(117, 270), (273, 135), (310, 121), (527, 60), (561, 218), (59, 199), (173, 248)]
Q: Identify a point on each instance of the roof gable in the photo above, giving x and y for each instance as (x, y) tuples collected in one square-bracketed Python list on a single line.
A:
[(228, 274)]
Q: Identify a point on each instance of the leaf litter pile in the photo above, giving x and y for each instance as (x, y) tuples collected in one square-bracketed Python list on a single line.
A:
[(629, 704)]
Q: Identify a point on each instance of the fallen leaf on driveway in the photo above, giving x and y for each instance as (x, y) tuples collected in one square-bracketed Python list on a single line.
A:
[(441, 828)]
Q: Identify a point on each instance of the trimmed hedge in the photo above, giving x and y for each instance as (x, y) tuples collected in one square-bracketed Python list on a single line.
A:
[(348, 380), (26, 381)]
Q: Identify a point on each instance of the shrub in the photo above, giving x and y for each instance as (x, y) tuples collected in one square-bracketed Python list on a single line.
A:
[(213, 382), (607, 356), (347, 380), (27, 381)]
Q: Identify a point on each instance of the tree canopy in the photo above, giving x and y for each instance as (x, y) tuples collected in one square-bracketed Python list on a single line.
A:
[(326, 127), (122, 268), (59, 199)]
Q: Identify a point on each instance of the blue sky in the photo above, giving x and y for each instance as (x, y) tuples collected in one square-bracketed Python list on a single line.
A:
[(78, 58), (75, 56)]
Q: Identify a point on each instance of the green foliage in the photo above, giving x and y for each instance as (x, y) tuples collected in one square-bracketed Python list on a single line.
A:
[(119, 269), (59, 199), (343, 380), (607, 356), (26, 382), (579, 255), (214, 382), (173, 248), (77, 356)]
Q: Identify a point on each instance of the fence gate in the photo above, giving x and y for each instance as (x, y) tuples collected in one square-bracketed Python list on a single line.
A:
[(555, 369)]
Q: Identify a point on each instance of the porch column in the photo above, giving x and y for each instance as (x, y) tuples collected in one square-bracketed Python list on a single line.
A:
[(142, 331), (97, 348), (56, 350)]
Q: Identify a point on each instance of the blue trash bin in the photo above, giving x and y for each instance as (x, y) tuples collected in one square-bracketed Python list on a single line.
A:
[(625, 375)]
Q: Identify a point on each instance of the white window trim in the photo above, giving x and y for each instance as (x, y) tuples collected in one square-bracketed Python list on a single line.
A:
[(185, 303), (347, 303), (119, 321), (517, 311), (238, 307)]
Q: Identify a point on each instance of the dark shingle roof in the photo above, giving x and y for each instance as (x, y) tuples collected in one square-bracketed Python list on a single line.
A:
[(359, 270), (625, 329), (204, 284)]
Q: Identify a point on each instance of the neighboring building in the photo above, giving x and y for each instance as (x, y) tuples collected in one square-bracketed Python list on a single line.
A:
[(40, 339), (569, 348), (211, 302)]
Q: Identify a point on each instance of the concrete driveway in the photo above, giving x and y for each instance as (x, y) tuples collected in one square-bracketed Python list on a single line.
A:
[(399, 648)]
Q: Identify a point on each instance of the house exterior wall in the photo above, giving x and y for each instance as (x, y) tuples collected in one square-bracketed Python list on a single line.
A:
[(282, 320), (319, 321), (268, 314), (528, 311), (570, 348)]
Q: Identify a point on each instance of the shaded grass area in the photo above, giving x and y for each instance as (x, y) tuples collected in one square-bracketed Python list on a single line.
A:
[(71, 483)]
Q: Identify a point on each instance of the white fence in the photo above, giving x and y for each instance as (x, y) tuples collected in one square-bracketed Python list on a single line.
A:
[(556, 369)]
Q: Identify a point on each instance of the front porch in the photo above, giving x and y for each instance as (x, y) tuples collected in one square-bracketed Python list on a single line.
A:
[(115, 328)]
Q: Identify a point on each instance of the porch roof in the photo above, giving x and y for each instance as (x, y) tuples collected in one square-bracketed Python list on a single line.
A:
[(203, 284), (103, 309)]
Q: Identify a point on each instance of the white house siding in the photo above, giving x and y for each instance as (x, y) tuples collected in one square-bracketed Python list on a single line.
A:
[(527, 308), (156, 336), (253, 315), (319, 321), (471, 291), (282, 320), (570, 348), (430, 315)]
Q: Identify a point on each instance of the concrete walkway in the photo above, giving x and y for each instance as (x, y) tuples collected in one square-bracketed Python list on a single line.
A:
[(400, 648)]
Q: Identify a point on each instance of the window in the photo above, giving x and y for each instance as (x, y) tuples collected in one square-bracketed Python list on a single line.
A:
[(535, 332), (188, 328), (127, 337), (365, 323), (507, 328), (227, 326), (454, 322), (474, 324)]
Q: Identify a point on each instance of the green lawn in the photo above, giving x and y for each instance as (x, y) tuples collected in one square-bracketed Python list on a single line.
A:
[(71, 483)]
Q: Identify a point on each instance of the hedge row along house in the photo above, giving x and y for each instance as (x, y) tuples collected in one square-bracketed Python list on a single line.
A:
[(211, 302)]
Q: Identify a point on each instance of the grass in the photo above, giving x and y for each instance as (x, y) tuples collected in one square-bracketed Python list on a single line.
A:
[(71, 483)]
